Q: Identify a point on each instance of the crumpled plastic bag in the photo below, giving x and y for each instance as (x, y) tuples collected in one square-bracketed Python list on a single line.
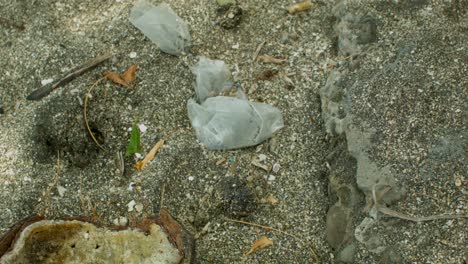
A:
[(212, 78), (162, 26), (223, 122)]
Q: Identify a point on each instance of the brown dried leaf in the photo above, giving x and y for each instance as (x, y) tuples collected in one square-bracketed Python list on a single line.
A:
[(260, 243), (140, 165), (271, 59), (115, 77), (129, 75)]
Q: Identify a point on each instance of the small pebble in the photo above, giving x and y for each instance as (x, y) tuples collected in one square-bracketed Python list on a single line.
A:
[(61, 190), (191, 178), (139, 207), (131, 205), (142, 127), (123, 221), (46, 81), (276, 167), (133, 54)]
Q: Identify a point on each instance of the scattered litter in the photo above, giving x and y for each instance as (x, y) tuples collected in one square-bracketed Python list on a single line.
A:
[(61, 190), (270, 59), (140, 165), (223, 122), (299, 7), (47, 81), (276, 167), (131, 205), (212, 78), (132, 55), (162, 26), (260, 243)]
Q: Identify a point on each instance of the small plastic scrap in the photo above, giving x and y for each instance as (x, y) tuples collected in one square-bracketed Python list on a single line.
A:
[(162, 26), (212, 78), (223, 122), (228, 123)]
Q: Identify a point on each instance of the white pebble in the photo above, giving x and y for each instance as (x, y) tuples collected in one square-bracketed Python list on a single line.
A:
[(133, 55), (271, 177), (123, 221), (139, 207), (262, 157), (131, 205), (191, 178), (46, 81), (142, 127), (61, 190)]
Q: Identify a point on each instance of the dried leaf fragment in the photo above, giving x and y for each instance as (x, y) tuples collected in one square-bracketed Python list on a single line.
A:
[(129, 75), (140, 165), (271, 59), (260, 243), (115, 77), (299, 7), (270, 199)]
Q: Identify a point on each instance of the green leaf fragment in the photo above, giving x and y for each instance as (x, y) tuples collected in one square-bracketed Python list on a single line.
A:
[(134, 146)]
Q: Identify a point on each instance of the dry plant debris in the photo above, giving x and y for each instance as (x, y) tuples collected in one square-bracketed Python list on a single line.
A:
[(140, 165), (260, 243), (299, 7), (312, 250), (46, 89), (271, 59), (124, 79)]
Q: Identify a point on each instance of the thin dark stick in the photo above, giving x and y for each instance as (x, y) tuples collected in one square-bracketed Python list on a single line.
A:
[(46, 89)]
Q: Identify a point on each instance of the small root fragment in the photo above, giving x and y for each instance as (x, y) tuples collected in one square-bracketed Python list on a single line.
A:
[(87, 95)]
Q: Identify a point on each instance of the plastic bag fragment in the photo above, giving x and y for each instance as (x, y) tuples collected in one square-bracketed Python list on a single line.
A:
[(162, 26), (227, 123), (212, 78)]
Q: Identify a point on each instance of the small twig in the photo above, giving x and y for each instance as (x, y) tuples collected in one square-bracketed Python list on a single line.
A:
[(387, 211), (314, 253), (161, 200), (84, 111), (55, 180), (257, 51), (46, 89)]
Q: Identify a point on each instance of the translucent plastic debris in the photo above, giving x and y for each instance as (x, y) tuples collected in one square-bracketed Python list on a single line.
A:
[(227, 123), (162, 26), (212, 78)]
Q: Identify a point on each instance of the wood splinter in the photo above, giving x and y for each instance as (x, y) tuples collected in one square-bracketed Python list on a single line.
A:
[(47, 89)]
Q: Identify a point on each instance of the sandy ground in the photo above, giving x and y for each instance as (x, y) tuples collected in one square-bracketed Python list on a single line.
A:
[(404, 91)]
